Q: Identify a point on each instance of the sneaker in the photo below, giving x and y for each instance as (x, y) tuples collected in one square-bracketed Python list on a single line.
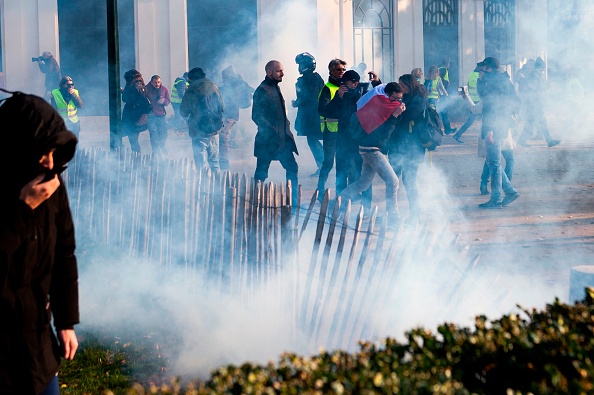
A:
[(457, 139), (553, 143), (523, 144), (510, 198), (490, 204), (315, 173), (484, 190), (450, 131)]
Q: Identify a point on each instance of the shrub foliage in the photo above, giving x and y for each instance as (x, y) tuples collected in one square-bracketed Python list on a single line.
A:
[(539, 352)]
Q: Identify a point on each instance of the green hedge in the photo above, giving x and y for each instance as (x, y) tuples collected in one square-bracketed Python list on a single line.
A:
[(538, 352)]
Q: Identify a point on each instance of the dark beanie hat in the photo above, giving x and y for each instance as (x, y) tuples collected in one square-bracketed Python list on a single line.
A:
[(539, 64), (351, 75), (228, 72), (196, 73), (491, 62)]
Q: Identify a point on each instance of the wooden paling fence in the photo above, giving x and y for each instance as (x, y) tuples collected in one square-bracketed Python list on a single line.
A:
[(245, 236)]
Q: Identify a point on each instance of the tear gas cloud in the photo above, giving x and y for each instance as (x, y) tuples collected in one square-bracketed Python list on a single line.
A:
[(214, 328)]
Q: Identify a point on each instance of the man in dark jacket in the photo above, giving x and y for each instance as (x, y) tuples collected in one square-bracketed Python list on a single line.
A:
[(307, 122), (371, 127), (534, 90), (136, 109), (500, 104), (349, 162), (49, 66), (274, 140), (203, 105), (329, 119), (38, 269), (237, 94)]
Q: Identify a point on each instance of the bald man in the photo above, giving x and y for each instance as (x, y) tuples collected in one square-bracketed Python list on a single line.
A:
[(274, 140)]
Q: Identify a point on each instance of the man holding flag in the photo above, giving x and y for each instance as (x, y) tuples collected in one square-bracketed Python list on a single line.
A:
[(371, 127)]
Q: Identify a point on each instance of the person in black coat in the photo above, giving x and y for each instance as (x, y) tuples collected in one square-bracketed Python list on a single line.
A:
[(349, 162), (307, 122), (274, 139), (406, 149), (38, 268), (136, 109)]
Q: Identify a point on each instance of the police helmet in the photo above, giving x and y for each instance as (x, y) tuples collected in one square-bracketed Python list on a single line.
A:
[(306, 62)]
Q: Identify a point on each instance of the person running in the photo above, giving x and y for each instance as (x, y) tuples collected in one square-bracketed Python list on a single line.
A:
[(371, 127)]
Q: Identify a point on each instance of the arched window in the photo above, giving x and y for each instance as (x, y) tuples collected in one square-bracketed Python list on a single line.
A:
[(440, 13), (373, 36), (440, 35), (500, 30)]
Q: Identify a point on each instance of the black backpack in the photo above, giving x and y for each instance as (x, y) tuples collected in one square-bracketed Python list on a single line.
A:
[(432, 133)]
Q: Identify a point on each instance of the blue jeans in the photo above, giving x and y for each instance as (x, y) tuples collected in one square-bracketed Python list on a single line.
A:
[(52, 388), (469, 121), (508, 155), (499, 179), (206, 152), (375, 162), (157, 127), (406, 167)]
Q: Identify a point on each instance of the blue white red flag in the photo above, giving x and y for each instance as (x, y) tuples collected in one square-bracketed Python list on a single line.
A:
[(374, 108)]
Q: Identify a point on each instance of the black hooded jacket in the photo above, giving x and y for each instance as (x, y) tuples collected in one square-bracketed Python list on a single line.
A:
[(37, 261)]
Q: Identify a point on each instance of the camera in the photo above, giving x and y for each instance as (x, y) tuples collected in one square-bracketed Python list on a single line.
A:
[(463, 90), (38, 59)]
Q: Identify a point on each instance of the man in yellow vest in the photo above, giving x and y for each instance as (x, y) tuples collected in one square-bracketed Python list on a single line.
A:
[(177, 93), (328, 110), (444, 74), (67, 101), (474, 96)]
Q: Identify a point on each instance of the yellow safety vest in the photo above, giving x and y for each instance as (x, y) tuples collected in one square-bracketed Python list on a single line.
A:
[(433, 93), (331, 125), (174, 95), (446, 76), (66, 110), (472, 83)]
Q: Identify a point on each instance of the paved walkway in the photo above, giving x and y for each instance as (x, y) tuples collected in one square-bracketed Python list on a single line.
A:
[(530, 245)]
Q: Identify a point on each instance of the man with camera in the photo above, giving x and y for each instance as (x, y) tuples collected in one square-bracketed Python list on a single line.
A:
[(49, 66)]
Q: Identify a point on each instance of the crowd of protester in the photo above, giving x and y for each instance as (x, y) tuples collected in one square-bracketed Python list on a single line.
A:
[(331, 116)]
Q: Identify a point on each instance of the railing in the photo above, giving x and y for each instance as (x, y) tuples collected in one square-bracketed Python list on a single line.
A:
[(244, 236)]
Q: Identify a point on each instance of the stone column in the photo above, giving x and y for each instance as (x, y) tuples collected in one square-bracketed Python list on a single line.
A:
[(30, 28), (408, 37), (162, 39), (471, 31)]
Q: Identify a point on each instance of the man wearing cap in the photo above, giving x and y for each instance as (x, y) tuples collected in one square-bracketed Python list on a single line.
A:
[(535, 87), (349, 161), (49, 66), (67, 101), (500, 104), (203, 105)]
